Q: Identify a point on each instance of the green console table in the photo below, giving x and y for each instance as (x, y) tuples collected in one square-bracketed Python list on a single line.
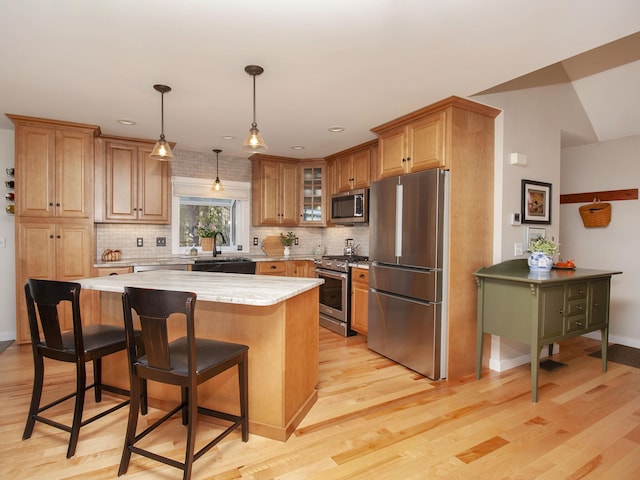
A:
[(541, 308)]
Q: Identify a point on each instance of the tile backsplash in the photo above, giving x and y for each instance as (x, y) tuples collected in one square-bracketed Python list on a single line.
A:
[(124, 237)]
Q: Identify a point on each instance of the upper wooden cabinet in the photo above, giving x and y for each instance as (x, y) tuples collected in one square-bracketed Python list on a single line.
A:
[(431, 137), (313, 193), (54, 168), (419, 145), (275, 190), (131, 187), (353, 167)]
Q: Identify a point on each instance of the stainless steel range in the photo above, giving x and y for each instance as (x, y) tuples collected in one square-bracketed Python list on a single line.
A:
[(335, 293)]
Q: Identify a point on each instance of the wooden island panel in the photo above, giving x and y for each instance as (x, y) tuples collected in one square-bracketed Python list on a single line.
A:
[(283, 359)]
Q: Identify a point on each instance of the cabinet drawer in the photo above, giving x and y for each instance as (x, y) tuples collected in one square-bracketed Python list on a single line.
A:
[(576, 291), (576, 323), (270, 268), (360, 276)]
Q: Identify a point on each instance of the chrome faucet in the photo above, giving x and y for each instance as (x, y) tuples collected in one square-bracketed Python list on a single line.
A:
[(215, 248)]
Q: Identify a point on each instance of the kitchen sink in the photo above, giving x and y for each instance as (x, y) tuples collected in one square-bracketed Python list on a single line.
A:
[(224, 265), (222, 260)]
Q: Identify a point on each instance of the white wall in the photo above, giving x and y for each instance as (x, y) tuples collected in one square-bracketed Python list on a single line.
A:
[(7, 254), (531, 123), (612, 165)]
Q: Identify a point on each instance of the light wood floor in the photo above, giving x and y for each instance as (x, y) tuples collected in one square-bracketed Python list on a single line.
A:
[(373, 420)]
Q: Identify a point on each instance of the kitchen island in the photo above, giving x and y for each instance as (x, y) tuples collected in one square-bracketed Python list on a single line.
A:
[(277, 317)]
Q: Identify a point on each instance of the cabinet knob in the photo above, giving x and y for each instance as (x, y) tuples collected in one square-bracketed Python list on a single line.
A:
[(408, 159), (579, 307), (579, 324), (58, 236), (57, 204), (50, 236), (404, 160), (51, 204)]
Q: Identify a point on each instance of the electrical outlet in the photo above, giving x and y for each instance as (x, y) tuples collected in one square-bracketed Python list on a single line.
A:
[(139, 242), (296, 241), (239, 247), (161, 241), (255, 241), (518, 250)]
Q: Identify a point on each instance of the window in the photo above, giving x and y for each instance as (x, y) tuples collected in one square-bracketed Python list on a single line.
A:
[(194, 202)]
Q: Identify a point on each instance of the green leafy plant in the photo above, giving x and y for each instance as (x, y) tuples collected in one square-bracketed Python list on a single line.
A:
[(545, 246), (287, 239), (205, 227)]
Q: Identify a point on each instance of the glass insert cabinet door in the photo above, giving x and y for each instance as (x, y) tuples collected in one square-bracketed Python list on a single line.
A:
[(312, 195)]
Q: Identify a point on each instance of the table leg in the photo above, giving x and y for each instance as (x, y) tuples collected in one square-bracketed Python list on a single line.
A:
[(603, 349), (535, 366)]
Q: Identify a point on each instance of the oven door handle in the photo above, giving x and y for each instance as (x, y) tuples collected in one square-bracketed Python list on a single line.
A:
[(331, 274)]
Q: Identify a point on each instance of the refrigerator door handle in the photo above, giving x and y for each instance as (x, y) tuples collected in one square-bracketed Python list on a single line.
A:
[(398, 226), (402, 297)]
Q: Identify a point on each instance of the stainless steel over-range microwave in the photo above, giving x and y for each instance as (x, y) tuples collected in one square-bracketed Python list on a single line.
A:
[(350, 207)]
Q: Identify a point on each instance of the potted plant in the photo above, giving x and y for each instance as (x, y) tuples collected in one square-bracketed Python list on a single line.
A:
[(206, 230), (287, 240), (542, 252)]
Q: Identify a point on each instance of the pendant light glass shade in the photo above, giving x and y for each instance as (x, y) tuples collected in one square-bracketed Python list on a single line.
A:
[(162, 149), (254, 141), (217, 185)]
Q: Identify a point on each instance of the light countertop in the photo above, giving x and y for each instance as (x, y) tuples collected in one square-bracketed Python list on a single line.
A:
[(259, 290), (189, 260)]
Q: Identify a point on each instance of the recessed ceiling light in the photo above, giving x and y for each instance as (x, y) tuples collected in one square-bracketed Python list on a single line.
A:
[(297, 147), (126, 121), (228, 137), (336, 129)]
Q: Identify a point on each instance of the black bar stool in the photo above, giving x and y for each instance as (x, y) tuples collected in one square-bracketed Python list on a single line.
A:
[(83, 344), (185, 362)]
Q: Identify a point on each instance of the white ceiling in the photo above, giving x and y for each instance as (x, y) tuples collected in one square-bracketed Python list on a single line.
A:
[(354, 63)]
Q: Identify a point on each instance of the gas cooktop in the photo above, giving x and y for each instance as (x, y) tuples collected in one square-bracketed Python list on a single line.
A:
[(339, 263)]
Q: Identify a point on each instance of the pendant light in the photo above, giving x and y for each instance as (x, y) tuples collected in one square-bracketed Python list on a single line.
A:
[(162, 150), (217, 186), (254, 141)]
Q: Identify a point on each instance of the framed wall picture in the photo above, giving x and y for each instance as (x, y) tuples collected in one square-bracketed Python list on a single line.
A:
[(536, 202), (533, 233)]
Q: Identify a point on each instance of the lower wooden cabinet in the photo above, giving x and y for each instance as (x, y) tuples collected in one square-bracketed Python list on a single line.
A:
[(59, 250), (360, 300), (271, 268), (286, 268)]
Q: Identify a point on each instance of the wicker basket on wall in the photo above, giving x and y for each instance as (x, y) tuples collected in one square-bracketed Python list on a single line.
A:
[(596, 214)]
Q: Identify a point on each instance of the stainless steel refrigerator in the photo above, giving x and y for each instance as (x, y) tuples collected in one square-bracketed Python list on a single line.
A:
[(408, 231)]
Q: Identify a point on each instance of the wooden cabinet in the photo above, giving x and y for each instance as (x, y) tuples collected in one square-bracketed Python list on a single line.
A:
[(360, 300), (271, 268), (353, 167), (313, 194), (275, 190), (288, 268), (456, 134), (541, 309), (133, 188), (300, 268), (416, 146), (54, 168), (108, 271), (62, 250)]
